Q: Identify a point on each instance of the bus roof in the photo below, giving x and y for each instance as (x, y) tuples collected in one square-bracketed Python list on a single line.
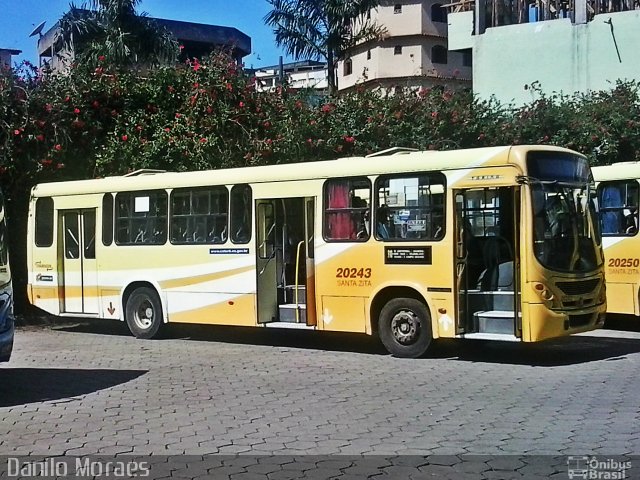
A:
[(616, 171), (394, 162)]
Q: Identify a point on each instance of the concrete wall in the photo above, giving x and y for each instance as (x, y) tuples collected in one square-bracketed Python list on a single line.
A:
[(6, 56), (561, 56), (460, 30)]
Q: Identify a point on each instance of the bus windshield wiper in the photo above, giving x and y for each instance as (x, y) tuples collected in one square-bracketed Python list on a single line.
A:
[(526, 180)]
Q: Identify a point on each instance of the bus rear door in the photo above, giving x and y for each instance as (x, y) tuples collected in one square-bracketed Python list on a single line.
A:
[(79, 270), (284, 260)]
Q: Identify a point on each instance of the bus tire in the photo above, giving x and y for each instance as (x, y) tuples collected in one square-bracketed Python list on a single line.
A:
[(404, 327), (143, 313)]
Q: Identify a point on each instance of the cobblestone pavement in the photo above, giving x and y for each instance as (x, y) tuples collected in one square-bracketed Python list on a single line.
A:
[(291, 404)]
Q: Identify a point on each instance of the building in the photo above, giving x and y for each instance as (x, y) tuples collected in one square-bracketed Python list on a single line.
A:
[(5, 56), (412, 53), (197, 39), (522, 48), (307, 74)]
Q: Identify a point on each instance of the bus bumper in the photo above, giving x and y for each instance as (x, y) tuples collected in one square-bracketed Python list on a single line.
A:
[(553, 325)]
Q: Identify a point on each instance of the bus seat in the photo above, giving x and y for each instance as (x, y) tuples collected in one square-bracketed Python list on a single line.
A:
[(199, 235), (504, 280), (140, 236), (494, 255), (214, 237)]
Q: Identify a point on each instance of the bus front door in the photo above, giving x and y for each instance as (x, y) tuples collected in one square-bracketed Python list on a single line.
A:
[(487, 266), (79, 278)]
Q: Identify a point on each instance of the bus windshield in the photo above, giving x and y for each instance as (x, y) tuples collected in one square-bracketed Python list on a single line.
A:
[(566, 232)]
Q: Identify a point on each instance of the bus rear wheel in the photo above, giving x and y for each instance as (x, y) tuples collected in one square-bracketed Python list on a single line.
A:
[(143, 313), (404, 327)]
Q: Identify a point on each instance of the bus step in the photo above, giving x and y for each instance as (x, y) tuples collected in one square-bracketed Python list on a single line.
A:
[(288, 313), (495, 321), (502, 337), (290, 294)]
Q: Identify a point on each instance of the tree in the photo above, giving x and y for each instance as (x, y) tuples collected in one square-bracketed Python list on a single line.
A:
[(112, 29), (315, 29)]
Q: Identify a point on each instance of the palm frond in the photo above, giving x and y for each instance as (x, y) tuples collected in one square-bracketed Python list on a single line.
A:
[(114, 29)]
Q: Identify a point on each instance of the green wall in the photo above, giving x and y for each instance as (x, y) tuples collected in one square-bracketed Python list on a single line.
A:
[(560, 56)]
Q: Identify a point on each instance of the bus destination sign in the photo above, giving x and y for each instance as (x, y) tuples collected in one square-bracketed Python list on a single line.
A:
[(407, 255)]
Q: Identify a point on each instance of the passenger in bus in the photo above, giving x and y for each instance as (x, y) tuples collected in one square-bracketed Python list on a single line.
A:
[(556, 217), (631, 221), (382, 219), (363, 229), (360, 216)]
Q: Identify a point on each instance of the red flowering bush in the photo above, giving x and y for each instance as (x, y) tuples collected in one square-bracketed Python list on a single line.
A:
[(206, 114)]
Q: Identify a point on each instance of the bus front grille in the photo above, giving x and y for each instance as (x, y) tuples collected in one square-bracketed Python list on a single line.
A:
[(580, 320), (578, 288)]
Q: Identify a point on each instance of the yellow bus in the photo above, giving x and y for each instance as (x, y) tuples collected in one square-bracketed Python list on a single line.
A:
[(618, 197), (410, 246)]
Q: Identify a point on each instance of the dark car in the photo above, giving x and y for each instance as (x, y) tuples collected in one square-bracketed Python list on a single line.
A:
[(6, 323)]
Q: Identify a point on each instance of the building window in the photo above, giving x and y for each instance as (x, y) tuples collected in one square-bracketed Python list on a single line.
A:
[(397, 50), (438, 13), (44, 222), (368, 54), (467, 59), (618, 207), (397, 8), (347, 209), (439, 54), (348, 67), (241, 202), (199, 215), (141, 218), (410, 207)]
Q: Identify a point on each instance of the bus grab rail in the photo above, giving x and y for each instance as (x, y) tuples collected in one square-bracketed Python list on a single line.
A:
[(300, 243)]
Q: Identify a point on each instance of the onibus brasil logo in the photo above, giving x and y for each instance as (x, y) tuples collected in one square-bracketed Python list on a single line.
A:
[(597, 468)]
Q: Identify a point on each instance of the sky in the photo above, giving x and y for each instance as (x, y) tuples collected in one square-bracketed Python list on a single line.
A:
[(18, 18)]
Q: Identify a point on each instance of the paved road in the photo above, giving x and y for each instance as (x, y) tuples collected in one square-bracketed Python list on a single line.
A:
[(289, 402)]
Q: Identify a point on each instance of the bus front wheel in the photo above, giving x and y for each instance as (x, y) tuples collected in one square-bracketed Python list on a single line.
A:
[(404, 327), (143, 313)]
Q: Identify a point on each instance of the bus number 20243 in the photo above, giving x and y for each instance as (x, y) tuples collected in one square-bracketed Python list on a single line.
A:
[(353, 272)]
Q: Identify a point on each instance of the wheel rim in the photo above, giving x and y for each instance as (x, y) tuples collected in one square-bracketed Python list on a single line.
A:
[(405, 327), (143, 314)]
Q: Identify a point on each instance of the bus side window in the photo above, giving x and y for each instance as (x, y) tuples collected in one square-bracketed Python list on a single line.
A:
[(410, 207), (107, 219), (619, 207), (141, 218), (347, 209), (199, 215), (241, 208), (44, 222)]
